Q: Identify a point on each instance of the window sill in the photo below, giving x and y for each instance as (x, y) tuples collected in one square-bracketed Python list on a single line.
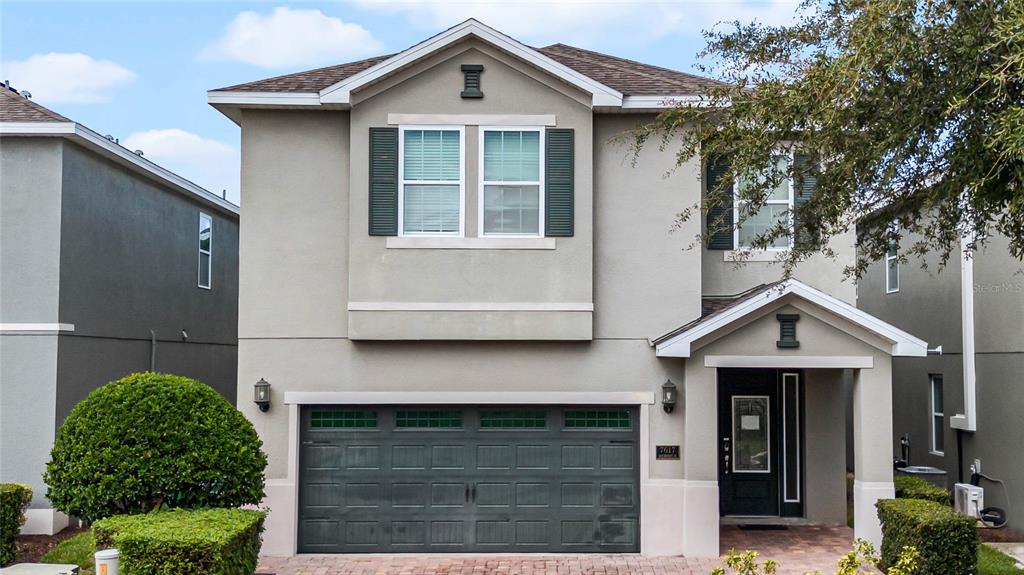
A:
[(451, 243), (753, 255)]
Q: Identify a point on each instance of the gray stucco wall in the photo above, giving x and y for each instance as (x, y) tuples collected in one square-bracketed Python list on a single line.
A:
[(929, 306), (129, 264), (30, 213)]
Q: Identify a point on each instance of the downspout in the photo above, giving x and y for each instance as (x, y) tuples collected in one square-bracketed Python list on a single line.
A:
[(967, 421), (152, 350)]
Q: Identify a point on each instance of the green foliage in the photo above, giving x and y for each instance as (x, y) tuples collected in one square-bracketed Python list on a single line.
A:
[(14, 498), (77, 550), (994, 562), (909, 487), (152, 441), (915, 109), (946, 540), (198, 542), (862, 555)]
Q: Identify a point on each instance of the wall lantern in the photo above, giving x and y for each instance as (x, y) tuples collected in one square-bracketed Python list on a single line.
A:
[(261, 397), (669, 396)]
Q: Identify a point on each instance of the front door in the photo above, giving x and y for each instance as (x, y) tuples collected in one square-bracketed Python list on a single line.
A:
[(749, 445)]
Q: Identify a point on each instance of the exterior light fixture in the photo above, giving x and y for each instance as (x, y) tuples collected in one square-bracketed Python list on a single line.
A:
[(261, 397), (669, 396)]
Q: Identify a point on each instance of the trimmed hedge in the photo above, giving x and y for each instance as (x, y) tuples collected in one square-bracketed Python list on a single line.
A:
[(14, 498), (197, 542), (153, 441), (909, 487), (947, 540)]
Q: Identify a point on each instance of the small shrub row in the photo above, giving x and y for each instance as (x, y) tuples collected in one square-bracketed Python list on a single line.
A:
[(198, 542), (14, 498), (946, 540), (910, 487)]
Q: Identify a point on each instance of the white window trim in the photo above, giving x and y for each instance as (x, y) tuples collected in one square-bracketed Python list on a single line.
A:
[(209, 259), (480, 181), (934, 414), (402, 182), (892, 255), (736, 216)]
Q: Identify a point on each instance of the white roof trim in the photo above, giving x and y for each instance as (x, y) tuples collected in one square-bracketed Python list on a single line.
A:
[(242, 98), (116, 152), (903, 344), (340, 93)]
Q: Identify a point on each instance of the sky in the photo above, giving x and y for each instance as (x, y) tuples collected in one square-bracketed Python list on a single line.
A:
[(140, 70)]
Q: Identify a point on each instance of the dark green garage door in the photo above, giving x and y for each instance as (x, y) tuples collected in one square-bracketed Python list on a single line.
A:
[(460, 479)]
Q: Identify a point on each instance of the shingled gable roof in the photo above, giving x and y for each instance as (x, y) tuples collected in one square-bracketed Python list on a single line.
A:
[(21, 117), (17, 108), (614, 83), (719, 313)]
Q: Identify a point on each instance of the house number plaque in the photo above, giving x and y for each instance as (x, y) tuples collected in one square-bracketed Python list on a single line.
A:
[(667, 451)]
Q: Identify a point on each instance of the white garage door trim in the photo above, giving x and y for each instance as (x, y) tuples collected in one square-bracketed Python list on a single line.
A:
[(283, 494)]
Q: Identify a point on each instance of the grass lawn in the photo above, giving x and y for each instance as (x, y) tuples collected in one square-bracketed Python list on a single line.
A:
[(993, 562), (75, 551)]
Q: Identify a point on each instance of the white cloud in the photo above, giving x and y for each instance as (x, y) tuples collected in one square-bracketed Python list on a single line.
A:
[(587, 22), (209, 163), (288, 37), (66, 77)]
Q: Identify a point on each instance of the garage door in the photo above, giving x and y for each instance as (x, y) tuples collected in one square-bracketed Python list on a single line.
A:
[(469, 479)]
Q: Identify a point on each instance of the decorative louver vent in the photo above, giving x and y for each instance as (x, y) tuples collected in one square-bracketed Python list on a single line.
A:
[(471, 72), (787, 329)]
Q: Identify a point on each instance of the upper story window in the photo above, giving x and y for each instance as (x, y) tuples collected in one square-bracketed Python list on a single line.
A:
[(511, 181), (892, 269), (205, 250), (432, 179), (778, 208)]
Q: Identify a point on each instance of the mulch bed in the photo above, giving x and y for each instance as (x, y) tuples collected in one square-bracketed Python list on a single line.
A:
[(31, 548), (1000, 536)]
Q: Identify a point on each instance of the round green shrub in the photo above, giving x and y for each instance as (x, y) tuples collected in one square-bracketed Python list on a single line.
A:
[(152, 441)]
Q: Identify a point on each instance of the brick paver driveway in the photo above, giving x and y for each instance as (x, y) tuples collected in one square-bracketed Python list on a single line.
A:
[(798, 549)]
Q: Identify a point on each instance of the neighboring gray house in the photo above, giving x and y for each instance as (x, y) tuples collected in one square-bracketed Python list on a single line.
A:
[(468, 304), (109, 264), (974, 310)]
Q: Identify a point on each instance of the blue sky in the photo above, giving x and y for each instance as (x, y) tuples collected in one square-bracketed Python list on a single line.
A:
[(140, 70)]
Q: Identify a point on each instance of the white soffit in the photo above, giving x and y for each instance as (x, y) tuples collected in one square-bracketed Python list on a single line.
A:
[(903, 344), (340, 92)]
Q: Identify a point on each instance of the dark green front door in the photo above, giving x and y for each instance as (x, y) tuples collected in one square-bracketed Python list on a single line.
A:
[(469, 479), (749, 445)]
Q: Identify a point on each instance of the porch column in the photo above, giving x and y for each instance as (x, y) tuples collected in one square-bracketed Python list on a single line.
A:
[(872, 446), (700, 453)]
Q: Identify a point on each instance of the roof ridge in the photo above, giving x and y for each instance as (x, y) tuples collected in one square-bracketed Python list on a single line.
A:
[(558, 45)]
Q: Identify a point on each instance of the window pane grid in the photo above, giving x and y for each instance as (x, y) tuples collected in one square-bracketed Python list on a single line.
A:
[(937, 415), (428, 419), (431, 181), (513, 420), (205, 250), (777, 208), (598, 419), (343, 419), (511, 182)]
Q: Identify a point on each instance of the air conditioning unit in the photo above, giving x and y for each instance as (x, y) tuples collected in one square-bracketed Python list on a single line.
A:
[(969, 499)]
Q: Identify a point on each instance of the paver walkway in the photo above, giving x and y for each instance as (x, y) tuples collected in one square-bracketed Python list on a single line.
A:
[(798, 549)]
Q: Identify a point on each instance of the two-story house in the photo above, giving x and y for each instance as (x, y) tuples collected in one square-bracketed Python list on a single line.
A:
[(961, 406), (109, 264), (480, 334)]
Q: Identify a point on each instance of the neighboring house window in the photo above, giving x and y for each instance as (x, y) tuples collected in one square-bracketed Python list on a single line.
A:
[(432, 181), (892, 269), (777, 208), (511, 181), (205, 250), (937, 419)]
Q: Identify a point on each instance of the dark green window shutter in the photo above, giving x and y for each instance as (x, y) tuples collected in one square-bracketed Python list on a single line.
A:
[(559, 182), (720, 216), (806, 235), (383, 181)]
